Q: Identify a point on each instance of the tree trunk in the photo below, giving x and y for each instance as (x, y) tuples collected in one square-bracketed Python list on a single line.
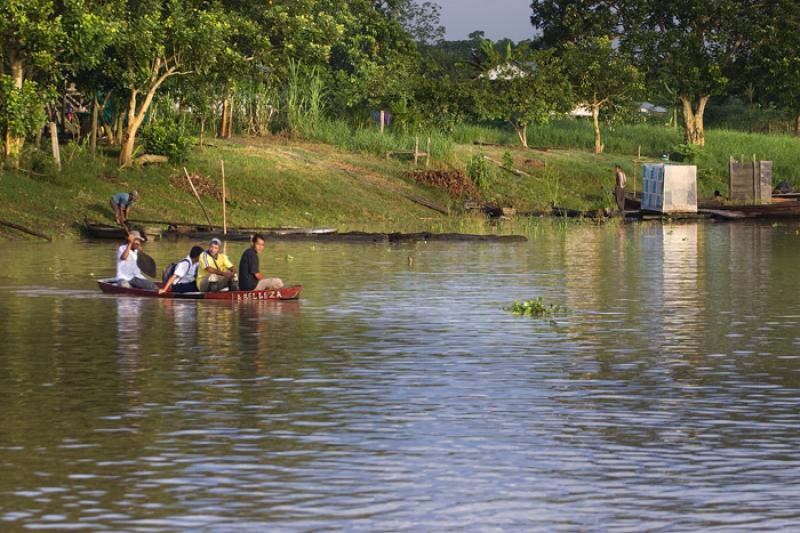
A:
[(223, 126), (95, 114), (522, 133), (598, 143), (119, 128), (229, 132), (797, 125), (12, 147), (136, 117), (202, 128), (693, 119)]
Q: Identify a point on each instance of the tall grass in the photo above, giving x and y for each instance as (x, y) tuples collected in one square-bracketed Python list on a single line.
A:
[(370, 140), (626, 140), (303, 98)]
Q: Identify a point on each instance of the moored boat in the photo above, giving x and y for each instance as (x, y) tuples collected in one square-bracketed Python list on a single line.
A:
[(97, 230), (110, 286)]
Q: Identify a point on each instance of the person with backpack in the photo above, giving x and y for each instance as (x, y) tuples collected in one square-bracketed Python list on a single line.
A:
[(180, 277)]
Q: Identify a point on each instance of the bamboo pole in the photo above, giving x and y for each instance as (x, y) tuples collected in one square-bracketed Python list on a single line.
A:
[(224, 207), (196, 195), (54, 145), (428, 151)]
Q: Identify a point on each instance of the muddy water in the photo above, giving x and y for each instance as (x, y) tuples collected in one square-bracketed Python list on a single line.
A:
[(403, 397)]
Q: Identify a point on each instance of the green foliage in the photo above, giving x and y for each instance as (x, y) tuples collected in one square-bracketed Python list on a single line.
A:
[(302, 99), (480, 171), (21, 112), (527, 91), (508, 160), (169, 139), (370, 140), (535, 308)]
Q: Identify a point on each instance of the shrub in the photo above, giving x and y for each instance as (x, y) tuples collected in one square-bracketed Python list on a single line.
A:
[(479, 171), (508, 160), (168, 139)]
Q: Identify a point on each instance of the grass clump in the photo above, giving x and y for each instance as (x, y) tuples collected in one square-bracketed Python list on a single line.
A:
[(535, 308)]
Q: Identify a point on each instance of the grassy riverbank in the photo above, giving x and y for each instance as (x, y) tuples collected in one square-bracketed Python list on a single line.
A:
[(346, 182)]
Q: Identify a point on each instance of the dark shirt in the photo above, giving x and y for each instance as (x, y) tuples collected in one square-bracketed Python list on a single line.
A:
[(248, 268)]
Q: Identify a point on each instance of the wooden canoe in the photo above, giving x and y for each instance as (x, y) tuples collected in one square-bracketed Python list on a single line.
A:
[(109, 286), (97, 230)]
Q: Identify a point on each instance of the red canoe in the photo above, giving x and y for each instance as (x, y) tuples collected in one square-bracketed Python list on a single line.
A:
[(109, 286)]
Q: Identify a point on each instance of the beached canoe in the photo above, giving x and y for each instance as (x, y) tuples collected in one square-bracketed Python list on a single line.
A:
[(109, 286), (97, 230)]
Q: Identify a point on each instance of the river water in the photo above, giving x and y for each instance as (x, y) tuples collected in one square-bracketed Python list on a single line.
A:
[(397, 396)]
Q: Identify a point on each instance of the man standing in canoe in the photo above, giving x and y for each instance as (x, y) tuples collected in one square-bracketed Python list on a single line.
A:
[(128, 272), (184, 274), (121, 203), (215, 272), (250, 276)]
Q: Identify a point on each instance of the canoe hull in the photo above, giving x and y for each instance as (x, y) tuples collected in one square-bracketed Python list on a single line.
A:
[(287, 293)]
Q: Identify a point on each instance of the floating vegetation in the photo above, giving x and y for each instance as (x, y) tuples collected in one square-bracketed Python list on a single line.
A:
[(535, 308)]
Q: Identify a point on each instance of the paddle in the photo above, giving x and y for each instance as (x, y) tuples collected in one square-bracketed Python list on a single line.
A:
[(145, 263)]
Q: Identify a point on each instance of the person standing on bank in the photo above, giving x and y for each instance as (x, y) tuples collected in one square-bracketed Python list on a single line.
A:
[(128, 272), (215, 272), (250, 276), (619, 190), (121, 203)]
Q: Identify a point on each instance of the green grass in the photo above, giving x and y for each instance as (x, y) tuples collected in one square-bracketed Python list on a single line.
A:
[(342, 177), (623, 142), (370, 140), (270, 183)]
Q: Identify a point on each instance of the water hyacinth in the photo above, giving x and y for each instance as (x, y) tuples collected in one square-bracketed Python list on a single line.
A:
[(535, 308)]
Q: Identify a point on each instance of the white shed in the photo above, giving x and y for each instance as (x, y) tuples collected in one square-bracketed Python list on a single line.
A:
[(669, 188)]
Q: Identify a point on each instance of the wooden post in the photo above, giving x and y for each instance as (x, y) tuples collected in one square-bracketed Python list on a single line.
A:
[(95, 113), (428, 150), (756, 184), (224, 123), (199, 201), (229, 129), (224, 207), (416, 150), (54, 145), (383, 120)]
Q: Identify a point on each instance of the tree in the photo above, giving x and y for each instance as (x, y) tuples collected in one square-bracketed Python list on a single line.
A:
[(529, 89), (774, 58), (565, 21), (602, 78), (158, 40), (422, 20), (373, 61), (690, 46), (42, 42)]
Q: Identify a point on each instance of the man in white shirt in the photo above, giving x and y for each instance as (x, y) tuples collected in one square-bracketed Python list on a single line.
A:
[(128, 272), (183, 277)]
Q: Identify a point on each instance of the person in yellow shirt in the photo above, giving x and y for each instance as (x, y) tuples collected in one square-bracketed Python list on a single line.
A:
[(215, 272)]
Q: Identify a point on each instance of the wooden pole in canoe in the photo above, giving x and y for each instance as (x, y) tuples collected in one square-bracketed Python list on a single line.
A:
[(196, 195)]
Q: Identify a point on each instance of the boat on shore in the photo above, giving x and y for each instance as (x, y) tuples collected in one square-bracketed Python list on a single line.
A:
[(99, 230), (110, 286)]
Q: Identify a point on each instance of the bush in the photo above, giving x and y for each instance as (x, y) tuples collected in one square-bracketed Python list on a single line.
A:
[(169, 139), (479, 171)]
